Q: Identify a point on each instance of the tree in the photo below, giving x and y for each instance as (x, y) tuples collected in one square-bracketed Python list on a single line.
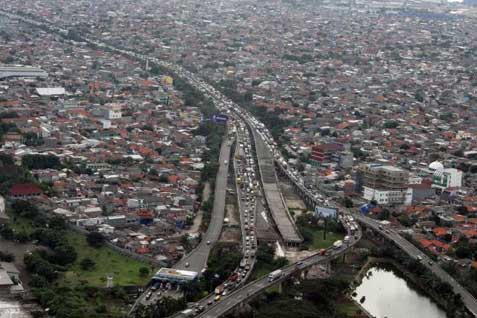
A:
[(391, 124), (404, 147), (143, 271), (163, 178), (383, 215), (24, 209), (65, 254), (87, 264), (57, 222), (405, 220), (265, 253), (95, 239), (41, 162), (348, 202)]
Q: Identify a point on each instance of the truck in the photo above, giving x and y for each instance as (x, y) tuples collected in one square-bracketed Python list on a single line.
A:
[(274, 275), (219, 290), (233, 277), (337, 244), (187, 313)]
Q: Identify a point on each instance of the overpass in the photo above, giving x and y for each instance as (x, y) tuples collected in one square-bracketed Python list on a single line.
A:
[(253, 289), (273, 196), (197, 258), (391, 235), (22, 71), (227, 105)]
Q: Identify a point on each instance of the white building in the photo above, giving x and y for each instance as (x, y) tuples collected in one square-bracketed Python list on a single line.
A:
[(443, 178), (112, 111), (385, 197), (447, 178)]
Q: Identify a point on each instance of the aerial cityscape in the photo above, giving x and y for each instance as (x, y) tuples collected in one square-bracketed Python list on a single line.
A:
[(238, 159)]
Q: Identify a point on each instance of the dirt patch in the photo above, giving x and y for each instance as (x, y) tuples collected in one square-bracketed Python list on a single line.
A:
[(19, 250), (230, 235), (231, 214)]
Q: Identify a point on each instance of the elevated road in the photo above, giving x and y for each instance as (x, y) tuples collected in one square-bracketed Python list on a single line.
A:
[(251, 290), (196, 260), (469, 300), (273, 196), (224, 104)]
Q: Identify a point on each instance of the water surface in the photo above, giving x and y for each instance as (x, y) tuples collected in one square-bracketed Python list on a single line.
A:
[(388, 295)]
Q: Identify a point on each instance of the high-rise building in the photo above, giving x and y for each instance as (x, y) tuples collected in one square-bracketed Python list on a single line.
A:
[(383, 183)]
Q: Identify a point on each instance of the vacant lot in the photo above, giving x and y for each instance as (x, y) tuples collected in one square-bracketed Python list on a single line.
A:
[(125, 271)]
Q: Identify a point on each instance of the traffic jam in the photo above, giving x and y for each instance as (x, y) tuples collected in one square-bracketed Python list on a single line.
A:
[(247, 187)]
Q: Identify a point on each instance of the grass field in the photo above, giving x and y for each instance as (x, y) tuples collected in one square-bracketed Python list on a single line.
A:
[(19, 224), (261, 269), (318, 241), (348, 307), (125, 271)]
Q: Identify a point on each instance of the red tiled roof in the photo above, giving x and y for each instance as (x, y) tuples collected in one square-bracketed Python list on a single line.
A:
[(25, 189), (470, 233), (440, 231)]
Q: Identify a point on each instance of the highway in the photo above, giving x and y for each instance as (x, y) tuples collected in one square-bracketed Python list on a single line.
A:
[(196, 260), (225, 105), (278, 208), (469, 300), (254, 288)]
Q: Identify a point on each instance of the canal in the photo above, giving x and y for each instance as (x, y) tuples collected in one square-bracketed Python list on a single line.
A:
[(387, 294)]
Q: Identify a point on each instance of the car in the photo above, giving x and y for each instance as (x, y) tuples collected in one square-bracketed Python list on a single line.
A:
[(299, 263), (431, 263), (210, 302), (187, 264), (217, 298), (208, 242), (200, 309)]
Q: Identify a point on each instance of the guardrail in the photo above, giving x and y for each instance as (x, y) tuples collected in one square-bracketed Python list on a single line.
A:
[(294, 268)]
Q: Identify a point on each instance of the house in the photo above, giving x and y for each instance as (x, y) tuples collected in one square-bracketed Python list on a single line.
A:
[(435, 246), (25, 191), (9, 279)]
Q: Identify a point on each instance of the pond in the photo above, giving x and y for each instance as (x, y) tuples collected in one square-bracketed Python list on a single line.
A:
[(387, 294)]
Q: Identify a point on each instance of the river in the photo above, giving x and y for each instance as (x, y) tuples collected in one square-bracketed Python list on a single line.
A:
[(388, 295)]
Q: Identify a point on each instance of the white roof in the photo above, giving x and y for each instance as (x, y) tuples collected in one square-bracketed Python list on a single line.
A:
[(176, 274), (436, 165), (50, 91)]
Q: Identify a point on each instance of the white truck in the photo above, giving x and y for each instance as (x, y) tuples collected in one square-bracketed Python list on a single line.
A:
[(274, 275), (187, 313), (338, 244)]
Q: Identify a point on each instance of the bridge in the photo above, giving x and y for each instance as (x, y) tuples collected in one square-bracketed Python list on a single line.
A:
[(196, 260), (240, 295), (391, 235), (273, 196), (295, 270)]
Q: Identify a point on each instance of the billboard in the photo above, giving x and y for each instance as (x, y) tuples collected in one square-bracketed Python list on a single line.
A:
[(220, 118), (325, 212)]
